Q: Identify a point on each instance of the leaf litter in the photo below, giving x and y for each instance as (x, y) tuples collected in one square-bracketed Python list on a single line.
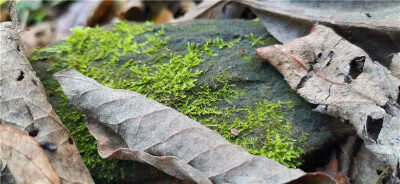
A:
[(344, 82)]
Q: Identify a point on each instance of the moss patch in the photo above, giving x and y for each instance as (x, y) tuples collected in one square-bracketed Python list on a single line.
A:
[(138, 58)]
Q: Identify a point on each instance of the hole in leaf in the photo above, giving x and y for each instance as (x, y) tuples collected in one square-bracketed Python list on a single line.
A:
[(34, 132), (21, 76), (302, 81), (311, 67), (330, 55), (70, 140), (48, 146), (356, 66), (34, 82), (347, 79), (374, 127), (327, 64)]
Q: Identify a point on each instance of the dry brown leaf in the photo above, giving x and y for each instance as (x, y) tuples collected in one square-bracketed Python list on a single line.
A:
[(332, 169), (4, 16), (235, 132), (163, 16), (25, 158), (38, 36), (205, 9), (129, 126), (103, 12), (132, 10), (24, 105), (371, 25), (327, 70), (185, 6)]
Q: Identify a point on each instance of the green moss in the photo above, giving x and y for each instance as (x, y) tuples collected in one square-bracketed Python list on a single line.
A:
[(170, 78), (246, 58), (256, 20), (260, 42), (267, 120)]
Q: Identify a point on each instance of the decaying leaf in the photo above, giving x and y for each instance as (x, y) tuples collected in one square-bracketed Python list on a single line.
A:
[(206, 9), (235, 132), (24, 105), (327, 70), (103, 12), (332, 169), (25, 158), (131, 10), (129, 126), (38, 36), (371, 25), (163, 16)]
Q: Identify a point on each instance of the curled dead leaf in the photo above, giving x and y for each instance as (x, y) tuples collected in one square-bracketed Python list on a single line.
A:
[(344, 82), (26, 160), (360, 22), (235, 132)]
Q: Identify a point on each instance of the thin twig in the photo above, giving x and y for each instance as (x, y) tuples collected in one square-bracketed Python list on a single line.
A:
[(382, 175)]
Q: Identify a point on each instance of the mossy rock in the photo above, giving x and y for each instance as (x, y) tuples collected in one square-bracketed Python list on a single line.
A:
[(206, 69)]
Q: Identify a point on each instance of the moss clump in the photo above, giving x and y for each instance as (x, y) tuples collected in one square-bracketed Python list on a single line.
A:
[(260, 40), (169, 78), (267, 119)]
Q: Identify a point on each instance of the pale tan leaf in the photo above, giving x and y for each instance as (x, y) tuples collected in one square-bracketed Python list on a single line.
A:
[(25, 158)]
